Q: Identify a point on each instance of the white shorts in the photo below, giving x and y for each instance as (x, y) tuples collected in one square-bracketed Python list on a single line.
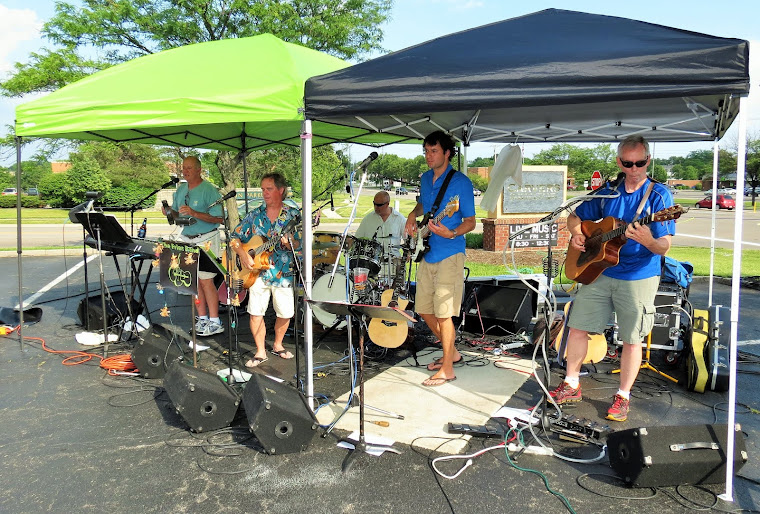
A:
[(282, 299)]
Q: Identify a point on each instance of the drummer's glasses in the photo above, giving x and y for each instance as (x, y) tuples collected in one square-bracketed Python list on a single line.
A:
[(639, 164), (380, 204)]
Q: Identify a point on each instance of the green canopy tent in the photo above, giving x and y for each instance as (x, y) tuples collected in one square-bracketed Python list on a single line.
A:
[(236, 94)]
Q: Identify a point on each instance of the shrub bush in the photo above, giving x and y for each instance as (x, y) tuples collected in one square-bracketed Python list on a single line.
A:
[(473, 240), (8, 201), (126, 196)]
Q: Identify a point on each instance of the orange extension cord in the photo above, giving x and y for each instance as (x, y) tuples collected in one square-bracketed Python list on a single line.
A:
[(115, 365)]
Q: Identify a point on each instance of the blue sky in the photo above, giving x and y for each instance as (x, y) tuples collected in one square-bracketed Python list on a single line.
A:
[(416, 21)]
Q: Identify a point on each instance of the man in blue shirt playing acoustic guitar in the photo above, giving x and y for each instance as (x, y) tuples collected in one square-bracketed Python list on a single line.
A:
[(440, 275), (629, 287)]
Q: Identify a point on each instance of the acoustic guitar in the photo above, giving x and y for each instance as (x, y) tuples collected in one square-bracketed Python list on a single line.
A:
[(421, 245), (258, 247), (604, 238), (597, 343), (387, 333)]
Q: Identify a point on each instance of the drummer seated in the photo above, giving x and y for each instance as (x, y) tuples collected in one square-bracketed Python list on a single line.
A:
[(384, 225)]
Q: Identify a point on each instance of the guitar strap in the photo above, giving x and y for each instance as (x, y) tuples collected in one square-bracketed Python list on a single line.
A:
[(643, 200), (441, 192)]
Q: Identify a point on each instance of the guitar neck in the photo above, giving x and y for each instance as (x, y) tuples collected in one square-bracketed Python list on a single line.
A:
[(424, 231), (612, 234)]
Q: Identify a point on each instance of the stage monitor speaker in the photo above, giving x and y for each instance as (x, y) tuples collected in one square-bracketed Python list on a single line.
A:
[(278, 415), (511, 306), (674, 455), (116, 308), (156, 349), (203, 399)]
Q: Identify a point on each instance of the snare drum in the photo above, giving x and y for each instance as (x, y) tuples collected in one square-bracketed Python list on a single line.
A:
[(366, 253), (321, 291)]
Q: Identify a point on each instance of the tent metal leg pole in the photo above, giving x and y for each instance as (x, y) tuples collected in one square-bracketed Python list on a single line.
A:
[(306, 244), (735, 289), (18, 245)]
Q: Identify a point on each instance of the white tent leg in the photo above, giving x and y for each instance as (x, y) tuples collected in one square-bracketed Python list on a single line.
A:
[(716, 153), (306, 244), (19, 245), (735, 287)]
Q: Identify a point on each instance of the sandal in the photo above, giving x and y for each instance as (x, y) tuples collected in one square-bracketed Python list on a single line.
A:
[(435, 382), (256, 361), (436, 364), (282, 354)]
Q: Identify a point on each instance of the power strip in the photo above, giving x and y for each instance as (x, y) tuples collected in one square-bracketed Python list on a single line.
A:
[(493, 431)]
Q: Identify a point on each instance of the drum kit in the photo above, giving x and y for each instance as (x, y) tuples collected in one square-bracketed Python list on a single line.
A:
[(362, 254)]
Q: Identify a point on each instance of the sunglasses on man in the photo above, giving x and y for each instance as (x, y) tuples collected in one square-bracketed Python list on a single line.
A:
[(379, 204), (639, 164)]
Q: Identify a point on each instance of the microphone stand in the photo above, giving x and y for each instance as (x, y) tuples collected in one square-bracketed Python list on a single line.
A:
[(228, 278), (134, 206)]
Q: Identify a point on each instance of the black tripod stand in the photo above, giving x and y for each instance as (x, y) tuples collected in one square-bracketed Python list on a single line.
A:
[(362, 313)]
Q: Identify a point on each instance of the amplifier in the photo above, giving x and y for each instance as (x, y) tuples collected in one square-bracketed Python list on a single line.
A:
[(667, 333)]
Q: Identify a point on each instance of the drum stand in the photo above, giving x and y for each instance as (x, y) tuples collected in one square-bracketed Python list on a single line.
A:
[(362, 312)]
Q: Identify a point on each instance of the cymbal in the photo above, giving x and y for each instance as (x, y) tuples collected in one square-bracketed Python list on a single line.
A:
[(323, 245)]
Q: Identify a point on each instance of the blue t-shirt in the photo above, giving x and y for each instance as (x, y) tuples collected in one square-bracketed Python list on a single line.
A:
[(441, 247), (636, 261), (198, 199)]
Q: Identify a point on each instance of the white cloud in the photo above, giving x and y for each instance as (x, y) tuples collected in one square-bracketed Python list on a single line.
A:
[(16, 27)]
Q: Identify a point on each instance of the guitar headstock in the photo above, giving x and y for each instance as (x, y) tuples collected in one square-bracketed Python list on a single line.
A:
[(452, 206), (671, 213)]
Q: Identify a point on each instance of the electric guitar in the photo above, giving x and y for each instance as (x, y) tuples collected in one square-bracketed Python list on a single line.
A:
[(604, 238), (421, 245), (258, 247), (597, 343), (387, 333)]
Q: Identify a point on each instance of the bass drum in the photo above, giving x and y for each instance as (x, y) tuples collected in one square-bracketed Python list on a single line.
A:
[(321, 291)]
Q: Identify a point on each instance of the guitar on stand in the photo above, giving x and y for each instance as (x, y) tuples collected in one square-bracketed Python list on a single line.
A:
[(421, 245), (604, 238), (389, 333)]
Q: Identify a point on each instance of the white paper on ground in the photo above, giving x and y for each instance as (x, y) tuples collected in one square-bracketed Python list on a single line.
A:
[(240, 376), (93, 339), (369, 439), (198, 347), (522, 415), (142, 324)]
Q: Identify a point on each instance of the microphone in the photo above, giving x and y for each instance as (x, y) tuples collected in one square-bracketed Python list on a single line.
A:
[(185, 221), (371, 157), (229, 195), (618, 180), (172, 182), (332, 205)]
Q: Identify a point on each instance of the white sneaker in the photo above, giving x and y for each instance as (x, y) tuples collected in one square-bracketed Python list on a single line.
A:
[(200, 324), (211, 328)]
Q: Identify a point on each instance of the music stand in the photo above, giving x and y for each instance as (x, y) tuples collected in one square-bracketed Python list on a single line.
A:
[(362, 312)]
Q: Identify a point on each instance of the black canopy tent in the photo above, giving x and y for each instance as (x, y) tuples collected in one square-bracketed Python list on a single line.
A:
[(554, 76), (550, 76)]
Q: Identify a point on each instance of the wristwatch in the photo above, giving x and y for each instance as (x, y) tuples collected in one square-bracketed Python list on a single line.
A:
[(454, 234)]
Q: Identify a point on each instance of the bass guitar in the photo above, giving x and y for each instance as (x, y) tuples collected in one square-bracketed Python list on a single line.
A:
[(604, 238), (421, 245), (258, 247), (387, 333), (597, 343)]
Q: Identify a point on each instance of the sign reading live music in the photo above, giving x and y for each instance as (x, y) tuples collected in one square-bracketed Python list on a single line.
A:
[(178, 269), (539, 236)]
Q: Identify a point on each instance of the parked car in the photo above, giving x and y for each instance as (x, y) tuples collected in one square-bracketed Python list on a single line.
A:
[(401, 191), (414, 190), (723, 202), (32, 191), (9, 191), (476, 192)]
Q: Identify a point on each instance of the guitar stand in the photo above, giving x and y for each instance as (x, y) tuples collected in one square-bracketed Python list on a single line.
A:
[(363, 312), (646, 364)]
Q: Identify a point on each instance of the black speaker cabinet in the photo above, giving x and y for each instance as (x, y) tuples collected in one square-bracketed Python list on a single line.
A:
[(278, 415), (156, 349), (675, 455), (510, 305), (203, 399), (116, 307)]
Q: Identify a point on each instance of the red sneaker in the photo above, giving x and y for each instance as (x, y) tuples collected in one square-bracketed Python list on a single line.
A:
[(566, 394), (619, 409)]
